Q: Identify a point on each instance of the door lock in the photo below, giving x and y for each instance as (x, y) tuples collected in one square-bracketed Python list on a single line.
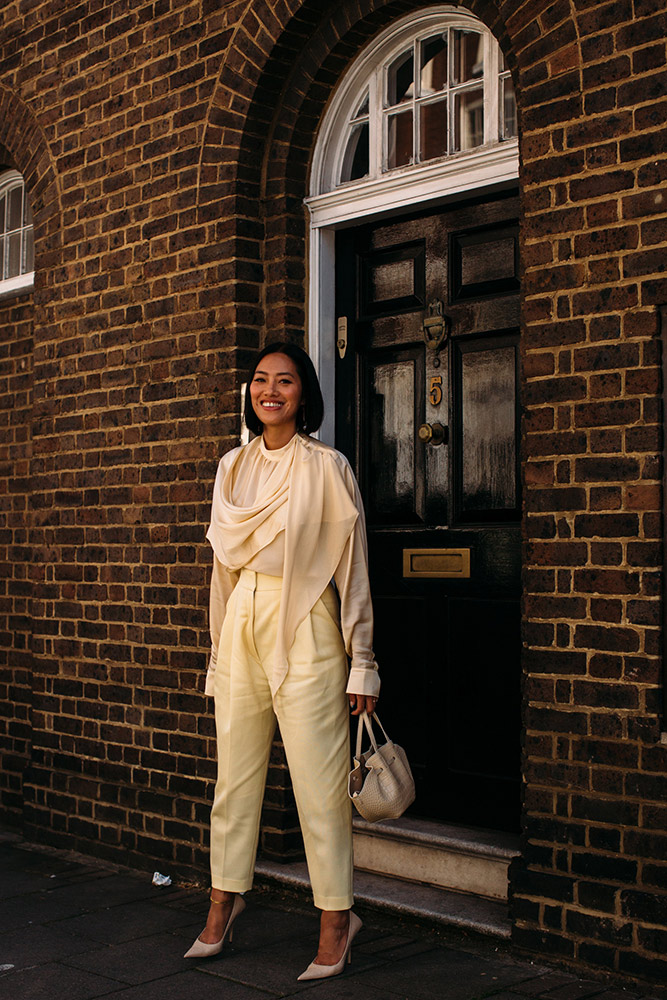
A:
[(433, 434), (341, 336)]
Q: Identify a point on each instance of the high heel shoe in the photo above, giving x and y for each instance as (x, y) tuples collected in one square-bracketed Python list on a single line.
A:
[(315, 971), (202, 950)]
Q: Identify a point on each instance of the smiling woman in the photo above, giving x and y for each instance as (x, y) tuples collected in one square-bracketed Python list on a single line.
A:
[(287, 519)]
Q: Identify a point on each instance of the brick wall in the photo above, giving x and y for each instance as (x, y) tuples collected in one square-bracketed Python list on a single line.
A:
[(167, 180), (16, 564), (593, 878), (135, 398)]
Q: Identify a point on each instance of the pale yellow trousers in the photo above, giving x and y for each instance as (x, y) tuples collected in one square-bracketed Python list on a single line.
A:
[(312, 712)]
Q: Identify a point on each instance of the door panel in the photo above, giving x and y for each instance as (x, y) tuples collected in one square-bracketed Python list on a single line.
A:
[(447, 615)]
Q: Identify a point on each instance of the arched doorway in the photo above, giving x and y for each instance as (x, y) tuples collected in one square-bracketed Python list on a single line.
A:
[(414, 209)]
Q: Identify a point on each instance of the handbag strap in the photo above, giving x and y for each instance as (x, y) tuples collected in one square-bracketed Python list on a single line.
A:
[(365, 721)]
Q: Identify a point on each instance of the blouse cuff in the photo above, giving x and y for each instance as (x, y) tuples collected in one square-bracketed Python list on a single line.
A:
[(363, 681)]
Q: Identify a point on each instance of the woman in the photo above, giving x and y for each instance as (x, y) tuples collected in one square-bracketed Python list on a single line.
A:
[(286, 519)]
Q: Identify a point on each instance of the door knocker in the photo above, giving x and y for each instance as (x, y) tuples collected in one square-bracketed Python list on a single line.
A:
[(435, 328)]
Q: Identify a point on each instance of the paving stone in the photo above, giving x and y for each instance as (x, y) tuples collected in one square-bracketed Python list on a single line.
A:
[(36, 908), (39, 945), (439, 972), (381, 943), (348, 988), (619, 995), (54, 981), (101, 893), (507, 995), (140, 961), (16, 883), (189, 986), (25, 858), (125, 922), (544, 983), (575, 991)]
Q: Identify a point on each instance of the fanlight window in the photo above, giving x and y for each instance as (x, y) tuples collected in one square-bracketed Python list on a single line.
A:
[(444, 91), (16, 234)]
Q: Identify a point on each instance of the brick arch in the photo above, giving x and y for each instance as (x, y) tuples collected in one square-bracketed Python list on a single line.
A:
[(23, 146), (272, 89)]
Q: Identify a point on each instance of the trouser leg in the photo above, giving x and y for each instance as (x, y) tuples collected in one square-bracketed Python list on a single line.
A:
[(312, 712), (245, 724)]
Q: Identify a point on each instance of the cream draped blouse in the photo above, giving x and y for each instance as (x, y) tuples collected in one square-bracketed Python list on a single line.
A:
[(294, 512)]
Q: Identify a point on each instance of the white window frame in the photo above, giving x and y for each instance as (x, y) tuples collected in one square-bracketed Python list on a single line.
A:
[(21, 282), (331, 207)]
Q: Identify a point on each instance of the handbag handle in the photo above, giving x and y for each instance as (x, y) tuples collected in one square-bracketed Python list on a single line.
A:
[(364, 720)]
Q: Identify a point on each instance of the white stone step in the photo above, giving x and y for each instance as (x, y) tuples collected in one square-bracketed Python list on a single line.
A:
[(452, 857), (422, 903)]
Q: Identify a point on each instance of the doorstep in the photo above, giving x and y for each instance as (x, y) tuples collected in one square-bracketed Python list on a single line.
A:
[(426, 904), (438, 874), (458, 858)]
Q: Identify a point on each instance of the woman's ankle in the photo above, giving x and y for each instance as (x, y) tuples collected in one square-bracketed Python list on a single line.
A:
[(221, 896)]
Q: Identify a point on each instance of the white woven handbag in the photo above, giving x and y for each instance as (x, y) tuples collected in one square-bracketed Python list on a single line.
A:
[(380, 783)]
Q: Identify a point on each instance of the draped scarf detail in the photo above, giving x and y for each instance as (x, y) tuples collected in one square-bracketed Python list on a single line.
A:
[(321, 515)]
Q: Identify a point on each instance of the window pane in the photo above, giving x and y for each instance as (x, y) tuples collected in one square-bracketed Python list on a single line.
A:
[(3, 205), (28, 251), (15, 213), (433, 130), (27, 211), (400, 79), (434, 64), (508, 124), (468, 56), (355, 161), (468, 119), (399, 139), (2, 258), (13, 255)]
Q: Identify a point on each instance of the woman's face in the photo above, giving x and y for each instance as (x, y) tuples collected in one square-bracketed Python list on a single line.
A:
[(276, 392)]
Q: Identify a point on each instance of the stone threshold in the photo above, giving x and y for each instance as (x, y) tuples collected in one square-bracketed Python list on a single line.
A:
[(446, 856), (440, 908)]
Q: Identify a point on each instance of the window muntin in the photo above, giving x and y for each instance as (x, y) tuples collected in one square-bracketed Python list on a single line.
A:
[(508, 126), (17, 254), (445, 91)]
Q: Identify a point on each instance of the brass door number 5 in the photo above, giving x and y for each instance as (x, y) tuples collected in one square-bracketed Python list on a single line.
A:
[(435, 390)]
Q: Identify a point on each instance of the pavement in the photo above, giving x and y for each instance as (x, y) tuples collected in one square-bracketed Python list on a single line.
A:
[(74, 928)]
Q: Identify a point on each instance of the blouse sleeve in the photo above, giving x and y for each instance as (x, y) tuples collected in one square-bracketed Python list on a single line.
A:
[(356, 609), (223, 582)]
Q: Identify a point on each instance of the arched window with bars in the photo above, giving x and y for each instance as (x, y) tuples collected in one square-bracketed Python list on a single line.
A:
[(17, 254)]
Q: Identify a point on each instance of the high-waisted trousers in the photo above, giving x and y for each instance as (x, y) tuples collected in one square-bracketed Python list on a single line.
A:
[(312, 712)]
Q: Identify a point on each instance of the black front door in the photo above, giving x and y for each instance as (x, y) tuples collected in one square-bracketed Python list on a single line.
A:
[(427, 413)]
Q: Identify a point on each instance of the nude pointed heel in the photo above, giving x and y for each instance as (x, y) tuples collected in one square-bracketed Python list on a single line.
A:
[(315, 971), (202, 950)]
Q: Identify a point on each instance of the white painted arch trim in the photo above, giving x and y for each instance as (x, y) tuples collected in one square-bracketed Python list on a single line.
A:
[(464, 172)]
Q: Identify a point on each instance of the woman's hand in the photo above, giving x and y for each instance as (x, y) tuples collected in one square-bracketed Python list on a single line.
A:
[(362, 703)]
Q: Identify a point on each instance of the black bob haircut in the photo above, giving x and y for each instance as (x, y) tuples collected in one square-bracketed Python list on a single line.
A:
[(312, 410)]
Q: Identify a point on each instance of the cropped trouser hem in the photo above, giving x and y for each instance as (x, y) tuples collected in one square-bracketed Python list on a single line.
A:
[(311, 709), (333, 902), (232, 885)]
